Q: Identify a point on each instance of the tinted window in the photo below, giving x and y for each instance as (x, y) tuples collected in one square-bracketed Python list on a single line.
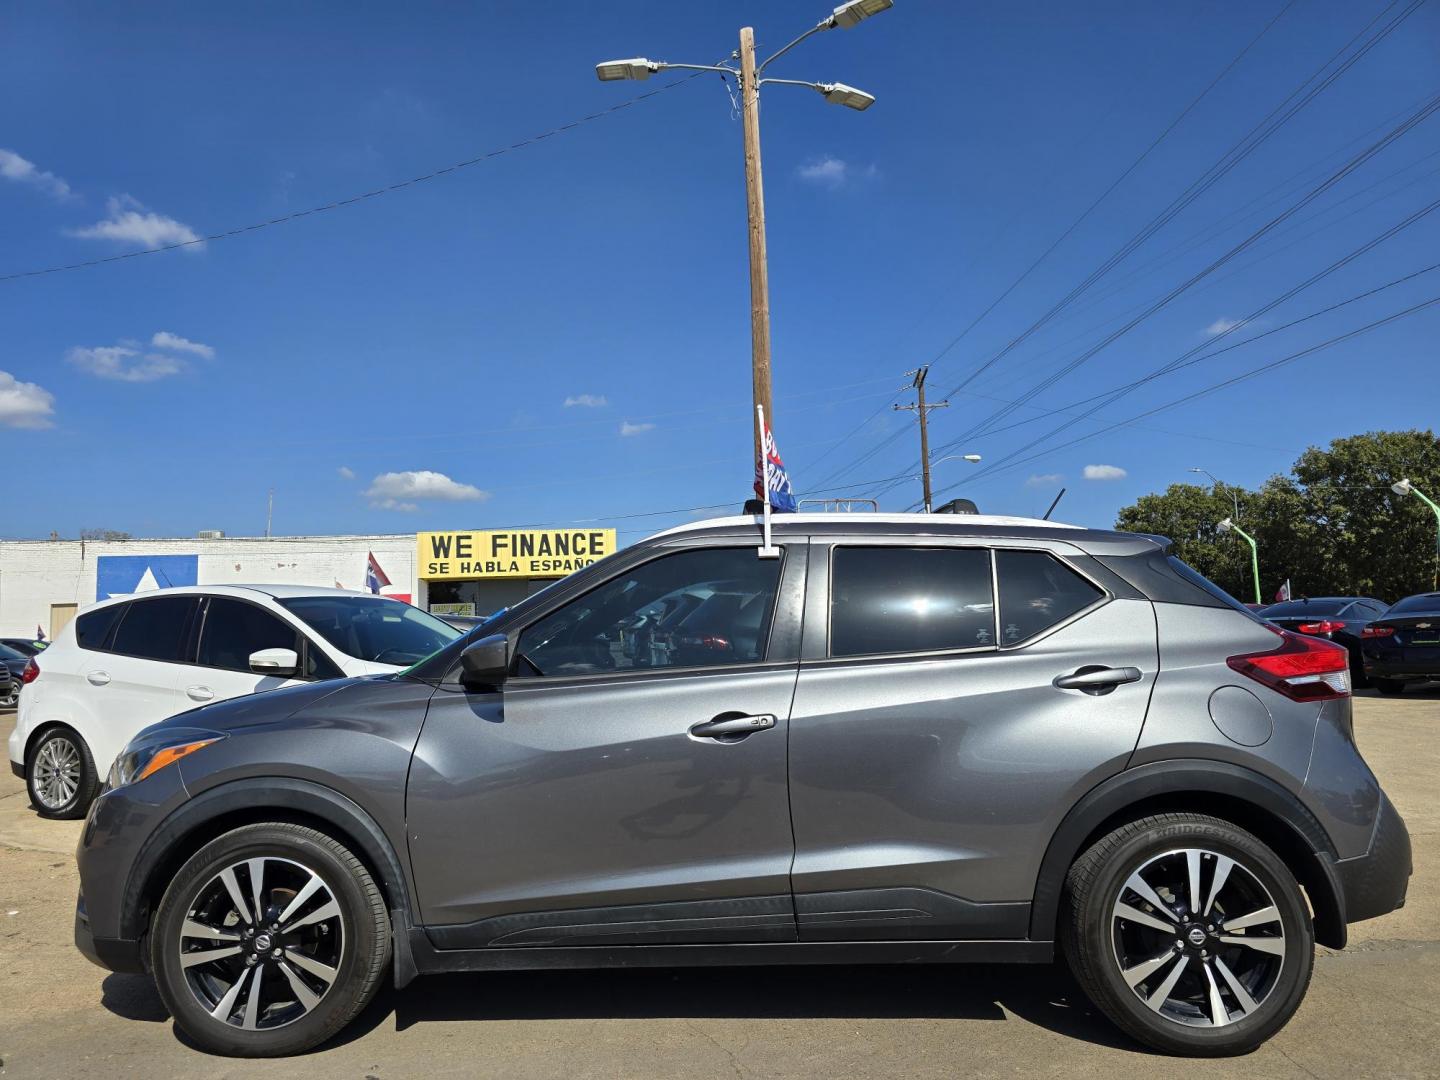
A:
[(234, 629), (895, 599), (7, 653), (692, 609), (93, 627), (373, 628), (1036, 592), (1423, 602), (1301, 608), (154, 629)]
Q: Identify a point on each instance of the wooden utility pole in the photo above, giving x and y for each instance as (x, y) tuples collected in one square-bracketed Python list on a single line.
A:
[(922, 410), (755, 211)]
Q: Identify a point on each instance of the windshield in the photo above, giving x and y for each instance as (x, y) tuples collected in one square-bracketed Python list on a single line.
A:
[(1423, 602), (1329, 606), (373, 628)]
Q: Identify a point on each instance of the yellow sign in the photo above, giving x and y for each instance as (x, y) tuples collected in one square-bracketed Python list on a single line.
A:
[(523, 553)]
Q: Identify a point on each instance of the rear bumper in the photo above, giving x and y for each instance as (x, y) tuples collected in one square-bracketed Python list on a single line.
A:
[(1398, 667), (1375, 883)]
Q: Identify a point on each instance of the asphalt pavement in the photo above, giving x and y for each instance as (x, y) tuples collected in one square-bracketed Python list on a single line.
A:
[(1372, 1010)]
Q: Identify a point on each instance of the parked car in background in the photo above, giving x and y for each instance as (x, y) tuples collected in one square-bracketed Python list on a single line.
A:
[(125, 663), (1402, 646), (1340, 619), (14, 665), (907, 738), (25, 646)]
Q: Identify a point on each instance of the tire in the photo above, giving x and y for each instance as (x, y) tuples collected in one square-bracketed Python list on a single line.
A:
[(1389, 686), (1256, 987), (60, 774), (316, 972), (10, 697)]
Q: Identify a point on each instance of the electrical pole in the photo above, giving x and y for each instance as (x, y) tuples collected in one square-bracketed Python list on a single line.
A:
[(755, 214), (922, 410), (269, 512)]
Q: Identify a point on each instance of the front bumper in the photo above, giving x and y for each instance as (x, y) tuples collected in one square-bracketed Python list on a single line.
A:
[(112, 954), (1375, 883)]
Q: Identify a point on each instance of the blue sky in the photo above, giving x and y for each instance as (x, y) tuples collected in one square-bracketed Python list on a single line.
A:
[(438, 332)]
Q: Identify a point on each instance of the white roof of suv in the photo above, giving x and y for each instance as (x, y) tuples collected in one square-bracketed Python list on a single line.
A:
[(867, 517)]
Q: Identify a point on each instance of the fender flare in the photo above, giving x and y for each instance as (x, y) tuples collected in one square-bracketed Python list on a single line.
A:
[(267, 792), (1193, 776)]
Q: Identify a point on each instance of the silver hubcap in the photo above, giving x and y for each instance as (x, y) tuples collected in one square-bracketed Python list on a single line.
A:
[(1198, 937), (262, 943), (57, 772)]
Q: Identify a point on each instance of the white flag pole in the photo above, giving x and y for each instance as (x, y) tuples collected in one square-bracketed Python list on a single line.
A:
[(767, 550)]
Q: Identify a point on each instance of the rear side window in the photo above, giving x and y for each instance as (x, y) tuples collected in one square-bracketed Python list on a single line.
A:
[(1037, 591), (234, 629), (93, 628), (900, 600), (155, 629)]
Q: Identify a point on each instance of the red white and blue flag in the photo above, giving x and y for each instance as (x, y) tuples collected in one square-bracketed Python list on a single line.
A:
[(374, 576), (782, 496)]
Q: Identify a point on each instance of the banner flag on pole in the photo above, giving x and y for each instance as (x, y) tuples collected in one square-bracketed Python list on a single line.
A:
[(770, 474), (374, 576)]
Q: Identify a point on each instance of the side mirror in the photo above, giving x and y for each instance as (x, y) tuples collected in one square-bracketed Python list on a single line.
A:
[(486, 662), (281, 663)]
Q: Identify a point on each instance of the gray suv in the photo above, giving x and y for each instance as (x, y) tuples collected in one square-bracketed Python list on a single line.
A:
[(906, 738)]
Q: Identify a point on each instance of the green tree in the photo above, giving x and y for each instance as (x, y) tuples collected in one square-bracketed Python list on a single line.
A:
[(1332, 526)]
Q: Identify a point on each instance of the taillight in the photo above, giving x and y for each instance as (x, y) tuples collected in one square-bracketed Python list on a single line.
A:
[(1302, 668), (1324, 626), (1378, 631), (31, 672)]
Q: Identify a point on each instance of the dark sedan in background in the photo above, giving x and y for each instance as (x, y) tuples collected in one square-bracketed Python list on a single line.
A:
[(12, 666), (1341, 619), (1403, 645), (25, 646)]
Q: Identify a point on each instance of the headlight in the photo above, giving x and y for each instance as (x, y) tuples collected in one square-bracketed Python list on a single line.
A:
[(151, 751)]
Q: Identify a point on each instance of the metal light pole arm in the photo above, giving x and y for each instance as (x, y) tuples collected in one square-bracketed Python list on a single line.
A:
[(1254, 558), (661, 65), (825, 24)]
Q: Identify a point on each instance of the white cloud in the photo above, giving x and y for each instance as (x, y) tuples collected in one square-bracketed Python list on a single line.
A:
[(1046, 480), (131, 223), (346, 473), (1222, 325), (14, 167), (398, 490), (833, 172), (24, 404), (124, 363), (1105, 472), (586, 401), (175, 343), (627, 428)]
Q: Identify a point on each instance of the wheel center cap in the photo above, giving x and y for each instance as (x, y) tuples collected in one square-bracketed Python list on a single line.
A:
[(1196, 936), (262, 942)]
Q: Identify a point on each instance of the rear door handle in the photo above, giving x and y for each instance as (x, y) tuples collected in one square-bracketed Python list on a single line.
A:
[(723, 725), (199, 693), (97, 678), (1097, 680)]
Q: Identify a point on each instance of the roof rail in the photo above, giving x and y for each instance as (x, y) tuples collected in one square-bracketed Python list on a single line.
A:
[(844, 506)]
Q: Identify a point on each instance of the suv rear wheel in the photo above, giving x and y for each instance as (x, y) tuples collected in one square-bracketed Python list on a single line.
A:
[(269, 940), (1189, 933), (60, 774)]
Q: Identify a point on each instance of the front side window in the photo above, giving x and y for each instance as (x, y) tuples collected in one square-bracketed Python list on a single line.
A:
[(155, 629), (899, 600), (1037, 591), (698, 608), (373, 628), (234, 629)]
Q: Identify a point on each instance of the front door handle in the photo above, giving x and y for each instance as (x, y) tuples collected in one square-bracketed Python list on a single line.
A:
[(97, 678), (199, 693), (733, 726), (1097, 680)]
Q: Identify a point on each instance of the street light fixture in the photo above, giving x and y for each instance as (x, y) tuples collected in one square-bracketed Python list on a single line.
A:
[(1234, 494), (1404, 487), (1226, 526), (747, 74)]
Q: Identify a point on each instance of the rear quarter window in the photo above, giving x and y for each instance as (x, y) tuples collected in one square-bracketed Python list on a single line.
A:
[(92, 629)]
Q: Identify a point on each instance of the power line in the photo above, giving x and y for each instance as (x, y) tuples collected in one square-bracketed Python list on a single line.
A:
[(353, 199)]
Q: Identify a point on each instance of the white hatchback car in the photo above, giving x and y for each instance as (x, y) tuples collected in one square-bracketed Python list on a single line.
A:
[(128, 662)]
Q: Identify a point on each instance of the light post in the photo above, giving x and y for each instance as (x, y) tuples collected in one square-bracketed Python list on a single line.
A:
[(974, 459), (1234, 494), (1404, 487), (748, 75), (1225, 526)]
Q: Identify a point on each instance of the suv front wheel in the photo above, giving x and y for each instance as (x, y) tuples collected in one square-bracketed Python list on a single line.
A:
[(1189, 933), (269, 940)]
